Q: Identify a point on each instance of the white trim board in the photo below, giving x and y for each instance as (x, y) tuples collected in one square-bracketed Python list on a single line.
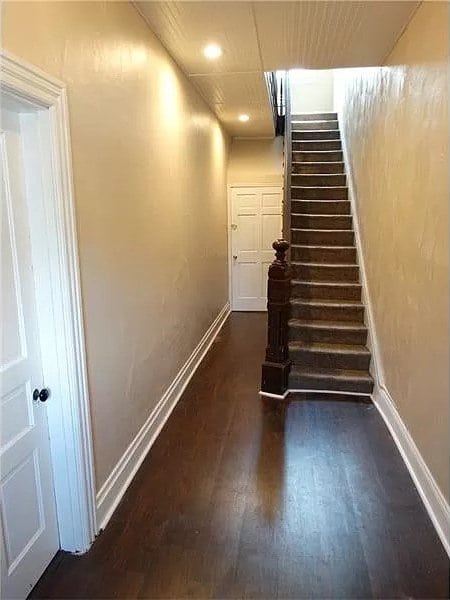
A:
[(436, 505), (112, 491), (45, 120)]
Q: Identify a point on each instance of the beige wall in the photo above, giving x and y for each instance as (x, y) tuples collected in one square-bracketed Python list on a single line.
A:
[(149, 164), (256, 161), (311, 90), (395, 122)]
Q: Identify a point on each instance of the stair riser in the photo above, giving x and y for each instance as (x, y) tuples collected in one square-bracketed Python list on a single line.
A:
[(319, 193), (322, 292), (328, 313), (321, 207), (318, 180), (317, 168), (323, 238), (330, 360), (316, 135), (298, 382), (305, 156), (316, 222), (306, 125), (311, 146), (315, 117), (324, 255), (305, 333), (323, 273)]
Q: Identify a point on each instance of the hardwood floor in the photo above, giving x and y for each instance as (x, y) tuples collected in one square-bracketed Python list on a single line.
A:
[(239, 500)]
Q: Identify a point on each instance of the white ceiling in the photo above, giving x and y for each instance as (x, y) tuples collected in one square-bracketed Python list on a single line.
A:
[(264, 36)]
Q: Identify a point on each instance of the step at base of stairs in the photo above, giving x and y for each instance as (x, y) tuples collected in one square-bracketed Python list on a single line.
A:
[(318, 396), (330, 380)]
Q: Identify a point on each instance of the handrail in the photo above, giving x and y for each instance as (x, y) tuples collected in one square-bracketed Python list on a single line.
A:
[(287, 152)]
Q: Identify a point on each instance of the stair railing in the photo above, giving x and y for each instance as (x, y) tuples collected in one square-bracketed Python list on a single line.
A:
[(287, 160), (276, 367)]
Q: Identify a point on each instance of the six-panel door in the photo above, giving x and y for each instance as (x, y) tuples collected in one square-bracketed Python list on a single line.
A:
[(256, 223), (29, 534)]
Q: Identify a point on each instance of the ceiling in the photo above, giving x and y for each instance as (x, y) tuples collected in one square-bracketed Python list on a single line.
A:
[(265, 36)]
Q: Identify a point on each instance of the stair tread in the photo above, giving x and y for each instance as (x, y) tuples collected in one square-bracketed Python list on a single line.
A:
[(329, 347), (314, 120), (321, 230), (315, 187), (326, 302), (325, 324), (337, 373), (326, 283), (322, 246), (315, 151), (312, 215), (314, 264)]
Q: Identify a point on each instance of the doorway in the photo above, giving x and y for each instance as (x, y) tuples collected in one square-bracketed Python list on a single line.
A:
[(47, 498), (256, 221)]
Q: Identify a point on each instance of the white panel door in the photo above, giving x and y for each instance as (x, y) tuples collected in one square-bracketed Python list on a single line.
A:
[(29, 534), (256, 214)]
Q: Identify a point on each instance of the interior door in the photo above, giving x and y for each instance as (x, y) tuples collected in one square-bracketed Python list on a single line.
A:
[(256, 214), (29, 533)]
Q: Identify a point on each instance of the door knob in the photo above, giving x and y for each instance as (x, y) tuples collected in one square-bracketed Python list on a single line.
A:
[(235, 256), (41, 395)]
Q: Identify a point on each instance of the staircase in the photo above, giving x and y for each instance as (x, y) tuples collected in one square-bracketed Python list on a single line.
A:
[(327, 334)]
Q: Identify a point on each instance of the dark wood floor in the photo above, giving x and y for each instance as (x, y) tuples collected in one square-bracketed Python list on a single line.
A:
[(238, 500)]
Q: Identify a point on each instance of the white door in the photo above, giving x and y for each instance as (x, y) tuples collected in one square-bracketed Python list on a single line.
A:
[(29, 533), (256, 222)]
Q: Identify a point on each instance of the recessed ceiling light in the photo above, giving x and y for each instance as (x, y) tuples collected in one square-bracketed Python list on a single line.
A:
[(212, 51), (244, 118)]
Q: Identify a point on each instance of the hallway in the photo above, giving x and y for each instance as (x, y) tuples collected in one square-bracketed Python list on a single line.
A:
[(240, 501)]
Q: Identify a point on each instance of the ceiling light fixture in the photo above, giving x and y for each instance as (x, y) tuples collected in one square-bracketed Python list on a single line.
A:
[(244, 118), (212, 51)]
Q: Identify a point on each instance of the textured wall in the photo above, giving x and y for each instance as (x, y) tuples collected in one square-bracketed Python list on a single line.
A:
[(256, 161), (395, 122), (149, 164), (311, 91)]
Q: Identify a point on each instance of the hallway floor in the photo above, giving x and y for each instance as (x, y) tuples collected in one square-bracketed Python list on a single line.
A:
[(239, 500)]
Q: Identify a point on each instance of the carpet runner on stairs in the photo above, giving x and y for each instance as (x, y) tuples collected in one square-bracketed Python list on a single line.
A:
[(327, 333)]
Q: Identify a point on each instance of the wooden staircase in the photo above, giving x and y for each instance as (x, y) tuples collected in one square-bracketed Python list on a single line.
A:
[(327, 335)]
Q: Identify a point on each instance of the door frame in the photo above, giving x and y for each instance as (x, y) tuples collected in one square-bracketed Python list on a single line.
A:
[(59, 291), (231, 187)]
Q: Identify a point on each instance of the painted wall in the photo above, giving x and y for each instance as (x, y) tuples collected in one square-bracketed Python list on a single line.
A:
[(311, 90), (149, 162), (256, 161), (394, 120)]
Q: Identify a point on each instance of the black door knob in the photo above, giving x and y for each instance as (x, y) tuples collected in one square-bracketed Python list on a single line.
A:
[(41, 395)]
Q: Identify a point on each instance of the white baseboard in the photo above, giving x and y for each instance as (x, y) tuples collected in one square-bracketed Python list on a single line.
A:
[(432, 497), (111, 492), (274, 396)]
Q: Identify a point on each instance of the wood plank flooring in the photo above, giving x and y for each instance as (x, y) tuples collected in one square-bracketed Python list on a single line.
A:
[(239, 500)]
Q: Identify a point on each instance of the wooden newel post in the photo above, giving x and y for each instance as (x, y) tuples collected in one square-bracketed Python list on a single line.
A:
[(275, 369)]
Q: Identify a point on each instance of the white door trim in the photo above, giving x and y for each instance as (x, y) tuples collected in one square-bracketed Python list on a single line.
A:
[(69, 420), (230, 188)]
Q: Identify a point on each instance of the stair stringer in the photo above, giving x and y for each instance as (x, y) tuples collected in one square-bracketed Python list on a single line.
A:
[(369, 320)]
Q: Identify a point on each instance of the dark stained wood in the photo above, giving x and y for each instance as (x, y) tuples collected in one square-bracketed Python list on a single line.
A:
[(240, 498), (275, 369)]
